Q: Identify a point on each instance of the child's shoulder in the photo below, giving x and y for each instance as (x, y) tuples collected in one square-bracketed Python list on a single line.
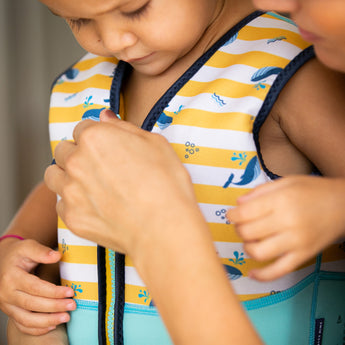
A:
[(85, 66)]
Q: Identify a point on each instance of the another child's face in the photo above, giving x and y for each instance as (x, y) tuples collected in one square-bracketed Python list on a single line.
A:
[(149, 34), (322, 22)]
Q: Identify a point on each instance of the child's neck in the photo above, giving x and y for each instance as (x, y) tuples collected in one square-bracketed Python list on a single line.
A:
[(147, 90)]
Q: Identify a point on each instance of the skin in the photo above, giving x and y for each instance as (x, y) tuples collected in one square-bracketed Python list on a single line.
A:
[(67, 178)]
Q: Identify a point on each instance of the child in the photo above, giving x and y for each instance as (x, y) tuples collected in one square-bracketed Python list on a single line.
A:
[(252, 86)]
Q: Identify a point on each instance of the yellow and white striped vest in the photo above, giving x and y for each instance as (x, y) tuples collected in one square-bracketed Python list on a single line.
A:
[(211, 116)]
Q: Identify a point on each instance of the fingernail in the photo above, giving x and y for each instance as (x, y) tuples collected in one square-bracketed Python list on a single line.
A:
[(64, 318), (71, 306)]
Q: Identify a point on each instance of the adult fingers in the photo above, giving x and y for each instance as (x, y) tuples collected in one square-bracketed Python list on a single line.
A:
[(63, 151), (54, 178)]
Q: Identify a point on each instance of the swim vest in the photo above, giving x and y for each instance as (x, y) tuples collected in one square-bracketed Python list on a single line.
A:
[(211, 116)]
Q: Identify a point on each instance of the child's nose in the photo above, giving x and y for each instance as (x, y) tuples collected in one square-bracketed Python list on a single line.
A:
[(115, 39), (286, 6)]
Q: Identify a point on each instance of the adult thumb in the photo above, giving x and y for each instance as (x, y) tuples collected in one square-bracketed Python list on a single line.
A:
[(108, 115)]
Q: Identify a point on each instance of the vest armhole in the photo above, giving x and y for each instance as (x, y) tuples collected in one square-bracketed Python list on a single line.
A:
[(278, 85)]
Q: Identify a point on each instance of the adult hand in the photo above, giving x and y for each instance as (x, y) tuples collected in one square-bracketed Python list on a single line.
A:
[(290, 221), (113, 178), (35, 305)]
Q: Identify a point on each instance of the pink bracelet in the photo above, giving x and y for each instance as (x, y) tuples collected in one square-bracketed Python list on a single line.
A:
[(13, 236)]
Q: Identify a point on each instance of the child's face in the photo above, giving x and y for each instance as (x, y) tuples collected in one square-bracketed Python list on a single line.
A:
[(149, 34), (321, 21)]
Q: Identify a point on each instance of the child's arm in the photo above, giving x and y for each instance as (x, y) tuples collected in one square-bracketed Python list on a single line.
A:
[(56, 337), (35, 305), (290, 221)]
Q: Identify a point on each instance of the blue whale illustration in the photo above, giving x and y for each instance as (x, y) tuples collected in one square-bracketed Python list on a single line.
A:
[(92, 114), (164, 121), (232, 272), (251, 172), (72, 73), (265, 72)]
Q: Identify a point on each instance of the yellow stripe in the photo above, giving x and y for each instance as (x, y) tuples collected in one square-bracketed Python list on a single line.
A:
[(218, 195), (89, 63), (137, 294), (78, 254), (224, 233), (250, 33), (83, 290), (244, 298), (210, 156), (61, 224), (97, 81), (222, 87), (205, 119), (70, 114), (253, 59)]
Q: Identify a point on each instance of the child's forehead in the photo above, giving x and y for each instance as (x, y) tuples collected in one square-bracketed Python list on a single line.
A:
[(85, 8)]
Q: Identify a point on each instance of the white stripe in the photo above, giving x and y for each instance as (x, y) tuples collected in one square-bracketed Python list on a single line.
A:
[(61, 99), (102, 68), (62, 131), (281, 48), (212, 138), (247, 286), (214, 176), (205, 102), (214, 213), (132, 277), (79, 272), (238, 73), (70, 239), (272, 23)]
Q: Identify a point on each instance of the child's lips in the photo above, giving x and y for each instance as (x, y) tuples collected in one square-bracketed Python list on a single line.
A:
[(140, 59), (309, 36)]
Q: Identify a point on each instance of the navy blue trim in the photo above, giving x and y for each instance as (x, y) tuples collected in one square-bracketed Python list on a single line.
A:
[(102, 295), (280, 82), (120, 74)]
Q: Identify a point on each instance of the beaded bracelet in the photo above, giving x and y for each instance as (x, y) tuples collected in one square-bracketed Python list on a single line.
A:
[(13, 236)]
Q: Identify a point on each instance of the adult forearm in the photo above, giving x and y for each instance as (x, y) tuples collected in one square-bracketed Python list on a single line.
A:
[(189, 285)]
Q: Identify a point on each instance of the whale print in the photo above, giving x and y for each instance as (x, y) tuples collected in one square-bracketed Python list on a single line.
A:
[(164, 121), (232, 272), (92, 114), (251, 173), (265, 72)]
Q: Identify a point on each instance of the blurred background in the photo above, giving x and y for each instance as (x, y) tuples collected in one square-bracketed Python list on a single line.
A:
[(35, 46)]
